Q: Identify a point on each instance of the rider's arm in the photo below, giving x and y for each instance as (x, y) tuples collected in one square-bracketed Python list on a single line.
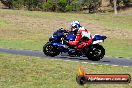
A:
[(90, 38), (86, 33), (78, 38), (90, 41)]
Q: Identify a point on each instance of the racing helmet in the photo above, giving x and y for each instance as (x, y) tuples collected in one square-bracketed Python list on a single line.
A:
[(75, 25)]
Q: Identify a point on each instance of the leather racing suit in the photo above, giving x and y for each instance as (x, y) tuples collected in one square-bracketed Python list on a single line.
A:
[(83, 38)]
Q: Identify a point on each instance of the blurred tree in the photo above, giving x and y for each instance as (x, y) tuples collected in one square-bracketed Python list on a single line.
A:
[(115, 6), (125, 2), (91, 5), (7, 3), (61, 5), (54, 5)]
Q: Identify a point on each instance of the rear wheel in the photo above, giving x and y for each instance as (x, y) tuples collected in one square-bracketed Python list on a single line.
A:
[(50, 50), (96, 52)]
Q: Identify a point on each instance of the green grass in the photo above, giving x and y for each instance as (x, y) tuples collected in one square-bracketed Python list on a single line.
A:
[(118, 47), (3, 23), (19, 44), (31, 72), (31, 29)]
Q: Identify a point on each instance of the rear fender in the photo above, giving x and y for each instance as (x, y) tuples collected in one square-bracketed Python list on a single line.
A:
[(97, 41), (98, 38)]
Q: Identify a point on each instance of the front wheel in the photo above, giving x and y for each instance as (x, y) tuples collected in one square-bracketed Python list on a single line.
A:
[(50, 50), (95, 52)]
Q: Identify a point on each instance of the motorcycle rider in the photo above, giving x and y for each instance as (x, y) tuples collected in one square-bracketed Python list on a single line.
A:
[(83, 36)]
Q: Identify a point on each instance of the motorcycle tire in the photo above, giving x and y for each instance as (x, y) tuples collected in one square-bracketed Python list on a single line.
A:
[(93, 52), (50, 50)]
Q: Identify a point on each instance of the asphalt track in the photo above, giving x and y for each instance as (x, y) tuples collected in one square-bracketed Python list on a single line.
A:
[(106, 60)]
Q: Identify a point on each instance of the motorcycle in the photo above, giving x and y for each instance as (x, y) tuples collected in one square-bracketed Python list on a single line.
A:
[(56, 45)]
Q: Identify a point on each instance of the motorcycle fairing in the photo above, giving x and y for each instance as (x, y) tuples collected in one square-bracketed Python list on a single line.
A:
[(62, 47), (70, 37), (98, 38)]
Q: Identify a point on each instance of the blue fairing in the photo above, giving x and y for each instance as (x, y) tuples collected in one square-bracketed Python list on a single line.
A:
[(61, 47), (57, 44), (56, 36), (99, 37), (56, 40), (71, 37)]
